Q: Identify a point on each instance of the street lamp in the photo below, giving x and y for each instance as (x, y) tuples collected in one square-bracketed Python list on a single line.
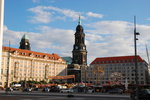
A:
[(85, 74), (135, 59), (7, 72)]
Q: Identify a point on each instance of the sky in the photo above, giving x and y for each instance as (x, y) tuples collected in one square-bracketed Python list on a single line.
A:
[(50, 26)]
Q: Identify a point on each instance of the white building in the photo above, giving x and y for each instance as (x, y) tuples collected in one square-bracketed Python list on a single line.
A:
[(116, 70)]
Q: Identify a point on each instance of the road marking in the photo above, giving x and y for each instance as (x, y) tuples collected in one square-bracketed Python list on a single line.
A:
[(61, 98), (26, 99)]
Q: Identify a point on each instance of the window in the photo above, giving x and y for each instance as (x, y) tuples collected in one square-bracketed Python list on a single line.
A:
[(141, 74), (142, 82)]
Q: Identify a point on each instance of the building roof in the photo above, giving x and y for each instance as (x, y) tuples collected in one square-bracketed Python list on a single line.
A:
[(119, 59), (24, 52), (68, 59)]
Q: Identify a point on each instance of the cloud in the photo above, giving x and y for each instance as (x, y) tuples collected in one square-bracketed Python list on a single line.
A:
[(66, 12), (148, 19), (47, 14), (115, 38), (91, 14), (12, 36), (104, 38), (35, 1), (49, 40), (41, 15)]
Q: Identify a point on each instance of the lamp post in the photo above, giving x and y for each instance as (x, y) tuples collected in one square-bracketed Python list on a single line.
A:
[(135, 59), (7, 72), (85, 74)]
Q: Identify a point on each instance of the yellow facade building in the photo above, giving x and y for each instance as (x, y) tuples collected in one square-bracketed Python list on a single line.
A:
[(21, 64)]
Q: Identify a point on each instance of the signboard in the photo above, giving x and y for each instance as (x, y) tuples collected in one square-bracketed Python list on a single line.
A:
[(62, 77)]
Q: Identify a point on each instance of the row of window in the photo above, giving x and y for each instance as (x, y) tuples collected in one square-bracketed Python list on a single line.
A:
[(40, 56), (116, 61)]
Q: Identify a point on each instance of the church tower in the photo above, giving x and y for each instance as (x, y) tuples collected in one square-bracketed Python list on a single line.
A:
[(79, 52), (24, 44), (79, 55)]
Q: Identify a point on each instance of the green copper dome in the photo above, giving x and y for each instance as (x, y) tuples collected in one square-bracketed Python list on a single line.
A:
[(25, 37)]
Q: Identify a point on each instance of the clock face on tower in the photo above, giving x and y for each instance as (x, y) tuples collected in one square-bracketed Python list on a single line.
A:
[(26, 43), (83, 48)]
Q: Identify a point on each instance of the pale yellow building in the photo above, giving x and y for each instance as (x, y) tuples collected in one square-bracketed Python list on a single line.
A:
[(30, 65)]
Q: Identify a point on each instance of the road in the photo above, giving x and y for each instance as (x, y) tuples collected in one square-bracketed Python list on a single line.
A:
[(60, 96), (23, 97)]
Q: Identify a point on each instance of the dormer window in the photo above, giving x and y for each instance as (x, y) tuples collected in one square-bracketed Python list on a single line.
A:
[(31, 54), (15, 52)]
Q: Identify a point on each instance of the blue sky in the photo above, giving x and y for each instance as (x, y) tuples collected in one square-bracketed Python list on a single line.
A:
[(50, 25)]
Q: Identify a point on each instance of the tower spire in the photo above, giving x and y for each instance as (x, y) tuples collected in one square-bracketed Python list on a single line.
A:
[(79, 21)]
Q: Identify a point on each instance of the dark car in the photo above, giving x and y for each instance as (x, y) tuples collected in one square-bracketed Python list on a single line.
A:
[(46, 89), (116, 90), (9, 89), (143, 94), (35, 89), (27, 90), (54, 89)]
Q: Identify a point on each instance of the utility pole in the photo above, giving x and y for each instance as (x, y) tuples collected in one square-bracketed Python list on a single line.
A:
[(1, 34), (136, 65)]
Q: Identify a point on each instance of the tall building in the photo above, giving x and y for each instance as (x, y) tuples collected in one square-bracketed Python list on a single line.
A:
[(25, 44), (117, 70), (1, 33), (79, 54), (30, 65)]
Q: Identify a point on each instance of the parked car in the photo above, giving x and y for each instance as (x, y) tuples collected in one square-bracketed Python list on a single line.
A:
[(54, 89), (46, 89), (15, 88), (27, 90), (90, 90), (35, 89), (67, 90), (116, 90), (9, 89), (143, 94)]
